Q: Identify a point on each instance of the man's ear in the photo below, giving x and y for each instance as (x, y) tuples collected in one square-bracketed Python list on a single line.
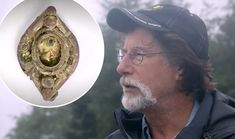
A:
[(179, 74)]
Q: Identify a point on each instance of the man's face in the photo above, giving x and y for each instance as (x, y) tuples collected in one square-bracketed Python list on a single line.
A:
[(150, 81)]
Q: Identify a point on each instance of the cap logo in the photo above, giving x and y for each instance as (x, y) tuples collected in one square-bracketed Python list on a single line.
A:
[(157, 7)]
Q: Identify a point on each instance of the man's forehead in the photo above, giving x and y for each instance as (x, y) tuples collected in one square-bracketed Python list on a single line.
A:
[(140, 35)]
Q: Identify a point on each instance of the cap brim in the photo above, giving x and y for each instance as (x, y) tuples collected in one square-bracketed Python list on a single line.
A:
[(124, 20)]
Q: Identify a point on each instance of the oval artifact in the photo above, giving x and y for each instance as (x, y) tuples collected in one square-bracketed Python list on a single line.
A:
[(48, 52)]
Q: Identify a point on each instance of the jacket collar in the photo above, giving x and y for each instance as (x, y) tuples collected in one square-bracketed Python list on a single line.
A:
[(195, 129), (130, 123)]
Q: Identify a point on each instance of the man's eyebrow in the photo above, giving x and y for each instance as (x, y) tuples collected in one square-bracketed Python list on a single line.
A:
[(148, 42), (140, 47)]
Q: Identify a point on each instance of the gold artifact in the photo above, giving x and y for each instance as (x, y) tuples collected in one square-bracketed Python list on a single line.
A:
[(48, 53)]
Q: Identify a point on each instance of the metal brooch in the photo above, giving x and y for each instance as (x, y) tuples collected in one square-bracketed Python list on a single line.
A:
[(48, 52)]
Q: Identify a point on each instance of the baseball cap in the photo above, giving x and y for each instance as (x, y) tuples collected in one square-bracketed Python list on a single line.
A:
[(164, 18)]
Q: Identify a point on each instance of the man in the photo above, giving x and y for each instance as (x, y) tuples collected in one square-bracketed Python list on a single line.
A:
[(168, 90)]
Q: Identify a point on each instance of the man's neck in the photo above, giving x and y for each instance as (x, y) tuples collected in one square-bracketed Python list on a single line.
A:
[(169, 116)]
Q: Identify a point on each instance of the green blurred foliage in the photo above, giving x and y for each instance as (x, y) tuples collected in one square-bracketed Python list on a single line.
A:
[(222, 53), (91, 117), (42, 124)]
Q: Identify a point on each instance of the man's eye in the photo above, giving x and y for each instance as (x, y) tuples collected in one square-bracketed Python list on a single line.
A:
[(140, 53), (136, 52)]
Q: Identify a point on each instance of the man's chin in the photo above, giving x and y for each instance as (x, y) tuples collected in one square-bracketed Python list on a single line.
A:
[(136, 102), (131, 102)]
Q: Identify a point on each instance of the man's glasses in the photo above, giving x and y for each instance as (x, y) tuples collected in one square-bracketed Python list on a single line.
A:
[(136, 55)]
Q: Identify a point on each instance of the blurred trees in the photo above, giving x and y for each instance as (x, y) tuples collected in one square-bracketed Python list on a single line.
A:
[(222, 52), (91, 116), (42, 124)]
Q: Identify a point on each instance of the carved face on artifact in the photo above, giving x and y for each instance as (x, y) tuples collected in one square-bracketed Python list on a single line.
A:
[(49, 51)]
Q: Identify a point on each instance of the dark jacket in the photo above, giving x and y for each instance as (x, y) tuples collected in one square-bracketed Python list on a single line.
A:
[(215, 119)]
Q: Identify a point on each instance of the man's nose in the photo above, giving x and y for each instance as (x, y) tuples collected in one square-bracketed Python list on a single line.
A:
[(125, 66)]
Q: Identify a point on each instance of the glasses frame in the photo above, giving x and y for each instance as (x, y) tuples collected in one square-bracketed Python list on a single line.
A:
[(134, 56)]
